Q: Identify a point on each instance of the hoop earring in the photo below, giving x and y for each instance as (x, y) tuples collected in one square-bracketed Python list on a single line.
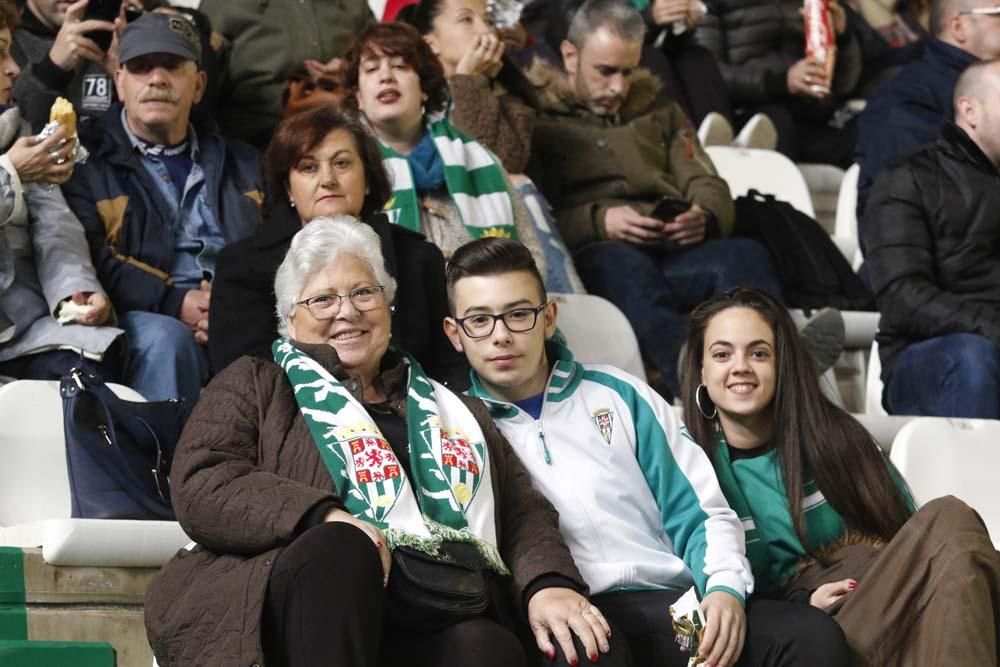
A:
[(697, 400)]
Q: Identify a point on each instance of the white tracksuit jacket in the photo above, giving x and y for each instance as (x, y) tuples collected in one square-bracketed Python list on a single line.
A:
[(639, 504)]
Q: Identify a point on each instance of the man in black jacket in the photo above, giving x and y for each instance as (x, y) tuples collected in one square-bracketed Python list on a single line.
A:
[(932, 229)]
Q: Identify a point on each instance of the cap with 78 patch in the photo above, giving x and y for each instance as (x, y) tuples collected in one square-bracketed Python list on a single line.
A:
[(154, 32)]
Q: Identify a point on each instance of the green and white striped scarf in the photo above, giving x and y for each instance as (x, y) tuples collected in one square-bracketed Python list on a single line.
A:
[(474, 179), (449, 460)]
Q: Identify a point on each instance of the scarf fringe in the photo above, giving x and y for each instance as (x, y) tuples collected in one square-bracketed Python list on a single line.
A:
[(441, 533)]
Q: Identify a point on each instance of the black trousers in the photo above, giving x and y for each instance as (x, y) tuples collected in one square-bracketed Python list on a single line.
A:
[(325, 604), (779, 634)]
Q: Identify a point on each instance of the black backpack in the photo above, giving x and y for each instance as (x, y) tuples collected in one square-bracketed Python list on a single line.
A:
[(813, 271)]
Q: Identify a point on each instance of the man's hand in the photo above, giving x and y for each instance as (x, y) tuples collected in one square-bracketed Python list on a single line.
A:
[(623, 223), (100, 308), (45, 162), (808, 77), (194, 311), (556, 611), (687, 228), (827, 595), (371, 531), (483, 58), (725, 629), (667, 11), (71, 46)]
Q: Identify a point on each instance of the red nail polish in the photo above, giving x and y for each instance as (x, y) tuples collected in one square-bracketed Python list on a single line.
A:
[(594, 658), (551, 653), (574, 662), (851, 586), (609, 634), (378, 545)]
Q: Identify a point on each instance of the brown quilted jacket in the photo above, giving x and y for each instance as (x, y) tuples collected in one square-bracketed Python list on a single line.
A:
[(245, 475)]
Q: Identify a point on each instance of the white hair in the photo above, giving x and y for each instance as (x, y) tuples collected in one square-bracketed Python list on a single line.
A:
[(316, 246)]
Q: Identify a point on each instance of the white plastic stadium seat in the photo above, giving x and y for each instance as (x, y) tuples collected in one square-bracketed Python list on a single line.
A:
[(768, 172), (598, 333), (34, 490), (959, 457), (873, 385), (846, 230)]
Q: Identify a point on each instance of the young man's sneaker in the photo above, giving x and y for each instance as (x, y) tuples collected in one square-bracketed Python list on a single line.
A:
[(824, 335), (715, 130), (759, 132)]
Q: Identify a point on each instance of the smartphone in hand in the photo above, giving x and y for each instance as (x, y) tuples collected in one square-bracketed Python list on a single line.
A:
[(102, 10), (666, 210), (669, 208)]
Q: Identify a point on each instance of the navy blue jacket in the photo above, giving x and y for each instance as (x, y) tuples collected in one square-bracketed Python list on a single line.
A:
[(131, 242), (907, 112)]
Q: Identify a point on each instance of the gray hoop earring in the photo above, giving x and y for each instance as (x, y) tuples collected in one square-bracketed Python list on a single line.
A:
[(697, 400)]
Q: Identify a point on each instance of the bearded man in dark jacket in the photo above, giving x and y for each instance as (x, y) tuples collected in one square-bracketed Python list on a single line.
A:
[(932, 230), (605, 152)]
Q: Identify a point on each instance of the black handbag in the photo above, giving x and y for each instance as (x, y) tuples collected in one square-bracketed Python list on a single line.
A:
[(436, 591), (118, 452)]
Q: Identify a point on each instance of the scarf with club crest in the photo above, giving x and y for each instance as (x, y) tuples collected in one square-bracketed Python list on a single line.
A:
[(446, 495)]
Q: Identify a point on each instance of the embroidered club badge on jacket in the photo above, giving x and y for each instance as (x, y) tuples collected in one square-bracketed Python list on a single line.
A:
[(605, 421)]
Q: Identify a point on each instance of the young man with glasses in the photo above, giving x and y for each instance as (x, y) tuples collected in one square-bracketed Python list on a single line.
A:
[(638, 501)]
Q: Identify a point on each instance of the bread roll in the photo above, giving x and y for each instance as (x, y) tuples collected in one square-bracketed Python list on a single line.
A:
[(62, 111)]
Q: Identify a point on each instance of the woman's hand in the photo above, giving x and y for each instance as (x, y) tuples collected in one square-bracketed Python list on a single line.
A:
[(725, 629), (45, 162), (828, 595), (99, 308), (374, 533), (559, 610), (483, 58), (808, 77)]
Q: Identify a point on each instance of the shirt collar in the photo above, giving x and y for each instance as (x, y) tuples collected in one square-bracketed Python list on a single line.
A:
[(147, 151)]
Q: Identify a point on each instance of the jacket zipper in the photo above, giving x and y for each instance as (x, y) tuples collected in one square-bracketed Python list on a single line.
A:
[(544, 448)]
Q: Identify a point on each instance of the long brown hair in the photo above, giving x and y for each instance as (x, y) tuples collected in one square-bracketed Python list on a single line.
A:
[(813, 437)]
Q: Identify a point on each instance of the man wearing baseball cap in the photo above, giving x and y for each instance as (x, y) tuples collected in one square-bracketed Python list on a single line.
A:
[(161, 195)]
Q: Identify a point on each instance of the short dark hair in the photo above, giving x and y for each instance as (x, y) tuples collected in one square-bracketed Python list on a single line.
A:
[(395, 38), (622, 19), (490, 256), (302, 132), (9, 15)]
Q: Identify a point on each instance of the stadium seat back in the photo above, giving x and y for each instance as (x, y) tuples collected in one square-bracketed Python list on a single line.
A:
[(598, 333), (768, 172), (34, 483), (846, 227), (959, 457)]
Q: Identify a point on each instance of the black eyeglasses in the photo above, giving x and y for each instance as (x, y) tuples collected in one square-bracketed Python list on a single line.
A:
[(517, 320), (326, 306)]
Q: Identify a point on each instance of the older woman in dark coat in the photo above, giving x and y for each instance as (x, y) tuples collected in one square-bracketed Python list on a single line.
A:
[(308, 482), (322, 162)]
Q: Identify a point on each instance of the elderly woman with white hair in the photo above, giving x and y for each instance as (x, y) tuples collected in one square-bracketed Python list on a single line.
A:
[(347, 509)]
